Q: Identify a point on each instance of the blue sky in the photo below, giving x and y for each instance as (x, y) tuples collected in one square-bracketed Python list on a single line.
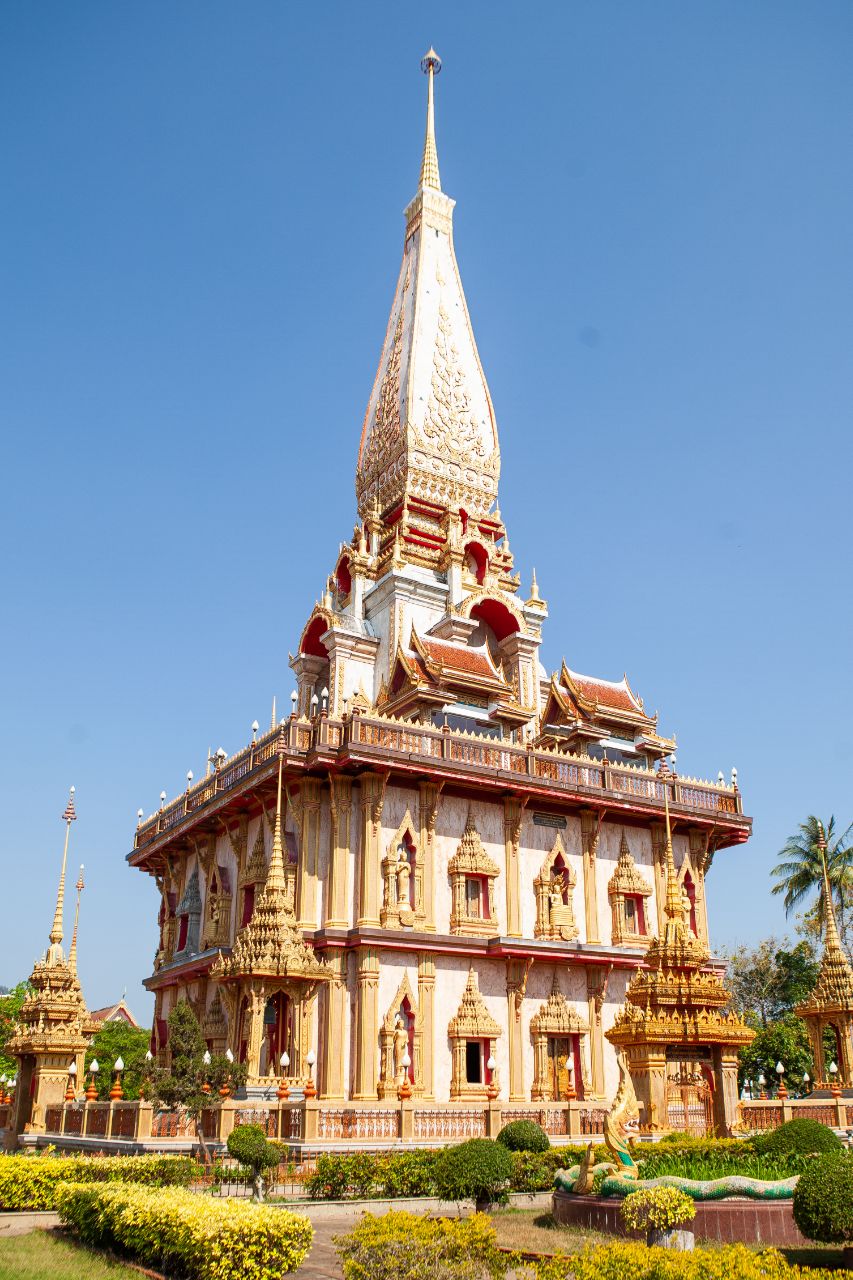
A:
[(202, 224)]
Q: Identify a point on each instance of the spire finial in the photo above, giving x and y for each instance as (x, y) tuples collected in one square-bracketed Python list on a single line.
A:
[(832, 942), (72, 955), (68, 817), (275, 875), (673, 894), (272, 719), (430, 65)]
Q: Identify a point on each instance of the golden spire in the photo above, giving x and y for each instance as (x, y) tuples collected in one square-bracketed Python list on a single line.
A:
[(430, 65), (275, 875), (68, 816), (72, 954), (831, 941), (673, 907)]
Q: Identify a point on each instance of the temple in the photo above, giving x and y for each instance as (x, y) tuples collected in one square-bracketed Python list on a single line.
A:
[(440, 872)]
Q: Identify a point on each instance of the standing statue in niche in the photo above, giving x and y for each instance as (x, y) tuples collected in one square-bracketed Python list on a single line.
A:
[(404, 877), (401, 1048), (562, 919)]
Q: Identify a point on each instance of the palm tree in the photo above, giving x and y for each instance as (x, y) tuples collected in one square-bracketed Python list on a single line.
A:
[(800, 869)]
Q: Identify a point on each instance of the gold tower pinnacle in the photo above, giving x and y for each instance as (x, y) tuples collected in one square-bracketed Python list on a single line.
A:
[(56, 931), (831, 940), (275, 875), (72, 954), (430, 65)]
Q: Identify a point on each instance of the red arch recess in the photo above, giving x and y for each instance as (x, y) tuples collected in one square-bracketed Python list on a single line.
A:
[(311, 643), (481, 558), (497, 616), (343, 577)]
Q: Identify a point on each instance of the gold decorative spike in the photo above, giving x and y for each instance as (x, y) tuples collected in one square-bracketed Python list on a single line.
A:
[(275, 875), (72, 955), (430, 65), (68, 817), (272, 718)]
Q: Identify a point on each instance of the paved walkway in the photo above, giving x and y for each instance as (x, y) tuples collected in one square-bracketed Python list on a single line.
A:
[(322, 1262)]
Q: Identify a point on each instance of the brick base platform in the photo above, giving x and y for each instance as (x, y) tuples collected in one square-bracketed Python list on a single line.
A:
[(767, 1222)]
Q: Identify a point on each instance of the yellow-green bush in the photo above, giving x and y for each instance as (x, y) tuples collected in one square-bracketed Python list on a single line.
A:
[(634, 1261), (403, 1246), (31, 1183), (188, 1234)]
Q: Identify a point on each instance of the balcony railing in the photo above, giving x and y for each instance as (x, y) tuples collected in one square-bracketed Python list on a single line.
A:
[(384, 740)]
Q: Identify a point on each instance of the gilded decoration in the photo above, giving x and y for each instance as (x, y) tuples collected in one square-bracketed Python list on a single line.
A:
[(386, 435), (472, 1022), (557, 1030), (472, 884), (554, 887), (829, 1006), (401, 1033), (402, 879), (214, 1027), (628, 892)]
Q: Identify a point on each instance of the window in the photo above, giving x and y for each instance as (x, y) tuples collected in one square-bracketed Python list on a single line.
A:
[(248, 904), (635, 916), (473, 1062), (474, 897), (183, 929)]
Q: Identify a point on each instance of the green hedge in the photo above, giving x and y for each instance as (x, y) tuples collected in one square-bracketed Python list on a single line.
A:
[(187, 1234), (31, 1182), (399, 1246), (524, 1135), (634, 1261), (823, 1200), (798, 1137)]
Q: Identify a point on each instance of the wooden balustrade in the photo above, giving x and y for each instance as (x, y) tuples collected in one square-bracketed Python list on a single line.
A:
[(372, 736)]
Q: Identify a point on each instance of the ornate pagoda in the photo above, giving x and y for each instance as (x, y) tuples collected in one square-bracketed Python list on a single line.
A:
[(829, 1006), (467, 854), (54, 1026), (680, 1044)]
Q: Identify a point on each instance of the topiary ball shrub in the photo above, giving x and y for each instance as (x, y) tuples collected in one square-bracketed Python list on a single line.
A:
[(798, 1137), (524, 1135), (248, 1144), (823, 1200), (478, 1169)]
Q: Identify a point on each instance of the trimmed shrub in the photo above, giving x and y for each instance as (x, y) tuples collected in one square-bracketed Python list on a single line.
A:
[(524, 1135), (30, 1183), (658, 1208), (798, 1137), (403, 1246), (248, 1144), (342, 1177), (635, 1261), (406, 1173), (823, 1199), (193, 1236), (478, 1168)]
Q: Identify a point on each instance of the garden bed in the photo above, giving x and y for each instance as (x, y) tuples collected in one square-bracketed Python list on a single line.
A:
[(758, 1222)]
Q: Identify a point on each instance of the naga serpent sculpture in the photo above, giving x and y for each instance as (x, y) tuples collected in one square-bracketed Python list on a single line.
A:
[(621, 1175)]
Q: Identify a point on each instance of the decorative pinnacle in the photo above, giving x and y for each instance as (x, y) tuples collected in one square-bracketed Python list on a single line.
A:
[(69, 816), (832, 942), (275, 875), (72, 955), (673, 895), (430, 65)]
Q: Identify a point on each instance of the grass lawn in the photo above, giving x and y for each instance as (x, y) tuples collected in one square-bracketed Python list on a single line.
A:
[(535, 1231), (47, 1255)]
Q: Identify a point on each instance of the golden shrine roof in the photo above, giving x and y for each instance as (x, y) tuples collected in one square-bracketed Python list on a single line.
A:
[(833, 991)]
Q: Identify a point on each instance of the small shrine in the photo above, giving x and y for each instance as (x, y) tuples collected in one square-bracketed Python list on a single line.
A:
[(829, 1006), (54, 1026), (269, 980), (680, 1044)]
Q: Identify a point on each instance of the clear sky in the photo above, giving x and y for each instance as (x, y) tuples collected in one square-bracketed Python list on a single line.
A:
[(201, 231)]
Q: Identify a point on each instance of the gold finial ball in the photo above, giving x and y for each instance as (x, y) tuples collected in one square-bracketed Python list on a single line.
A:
[(430, 62)]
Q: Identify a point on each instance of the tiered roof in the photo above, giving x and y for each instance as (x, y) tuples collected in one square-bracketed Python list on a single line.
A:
[(833, 991)]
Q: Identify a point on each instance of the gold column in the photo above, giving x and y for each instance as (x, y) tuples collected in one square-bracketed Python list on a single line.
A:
[(699, 860), (334, 1029), (372, 801), (513, 814), (590, 835), (426, 1000), (255, 1013), (339, 846), (658, 831), (596, 989), (430, 792), (516, 985), (309, 855), (366, 1024)]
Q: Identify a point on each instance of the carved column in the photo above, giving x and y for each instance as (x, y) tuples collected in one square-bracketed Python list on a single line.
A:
[(513, 814), (596, 989), (334, 1029), (366, 1023), (255, 1014), (336, 909), (590, 835), (516, 985), (372, 801), (698, 845), (659, 857), (426, 1000), (309, 856), (430, 792)]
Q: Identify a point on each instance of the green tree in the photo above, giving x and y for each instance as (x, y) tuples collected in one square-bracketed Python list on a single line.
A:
[(10, 1007), (767, 980), (799, 872), (785, 1040), (248, 1144), (119, 1040), (190, 1084)]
